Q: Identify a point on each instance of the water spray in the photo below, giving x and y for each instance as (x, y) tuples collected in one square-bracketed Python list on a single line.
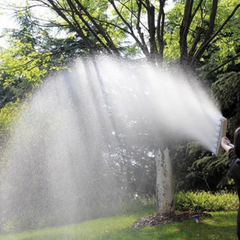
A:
[(82, 123)]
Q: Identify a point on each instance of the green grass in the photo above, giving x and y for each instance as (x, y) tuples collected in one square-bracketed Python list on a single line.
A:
[(222, 226)]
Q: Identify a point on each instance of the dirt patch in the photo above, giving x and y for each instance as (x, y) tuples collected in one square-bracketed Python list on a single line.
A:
[(168, 218)]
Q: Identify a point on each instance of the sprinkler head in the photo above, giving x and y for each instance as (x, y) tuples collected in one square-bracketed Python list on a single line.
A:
[(196, 219)]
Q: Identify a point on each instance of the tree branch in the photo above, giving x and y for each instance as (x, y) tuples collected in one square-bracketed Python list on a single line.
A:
[(210, 27), (151, 27), (72, 6), (223, 64), (75, 20), (199, 31), (141, 35), (129, 27), (112, 24), (205, 44), (184, 29), (196, 9), (60, 13), (99, 27), (160, 27)]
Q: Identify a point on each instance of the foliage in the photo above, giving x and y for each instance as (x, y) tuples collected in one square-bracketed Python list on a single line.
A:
[(144, 28), (212, 171), (198, 169), (32, 52), (206, 201), (185, 155), (24, 65), (227, 92), (22, 69), (8, 115), (206, 34), (223, 47)]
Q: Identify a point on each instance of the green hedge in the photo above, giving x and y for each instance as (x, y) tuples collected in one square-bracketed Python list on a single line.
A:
[(205, 201)]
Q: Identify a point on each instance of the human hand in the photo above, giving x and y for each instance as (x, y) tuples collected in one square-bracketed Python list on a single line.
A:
[(225, 141)]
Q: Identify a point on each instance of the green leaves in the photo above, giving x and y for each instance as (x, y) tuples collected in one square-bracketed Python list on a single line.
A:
[(22, 67), (223, 46), (8, 115), (205, 201), (196, 168), (227, 92)]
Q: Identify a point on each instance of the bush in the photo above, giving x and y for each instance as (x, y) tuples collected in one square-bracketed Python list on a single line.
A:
[(205, 201)]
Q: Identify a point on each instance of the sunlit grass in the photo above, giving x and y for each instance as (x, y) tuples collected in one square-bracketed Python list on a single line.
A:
[(222, 226)]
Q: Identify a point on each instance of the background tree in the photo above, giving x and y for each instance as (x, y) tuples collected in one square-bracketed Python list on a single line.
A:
[(198, 24)]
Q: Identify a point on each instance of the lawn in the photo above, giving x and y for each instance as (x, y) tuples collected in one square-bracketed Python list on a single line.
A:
[(221, 226)]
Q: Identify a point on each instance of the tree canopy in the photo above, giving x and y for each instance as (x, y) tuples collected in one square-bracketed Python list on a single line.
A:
[(193, 28)]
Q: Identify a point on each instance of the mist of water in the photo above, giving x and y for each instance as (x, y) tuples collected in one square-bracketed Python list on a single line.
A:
[(79, 126)]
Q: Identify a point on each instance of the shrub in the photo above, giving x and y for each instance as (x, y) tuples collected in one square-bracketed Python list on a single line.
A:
[(205, 201)]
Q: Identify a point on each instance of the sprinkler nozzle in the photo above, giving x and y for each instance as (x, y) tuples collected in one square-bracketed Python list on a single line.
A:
[(196, 219)]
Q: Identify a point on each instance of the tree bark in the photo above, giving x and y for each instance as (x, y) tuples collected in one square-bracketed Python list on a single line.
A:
[(164, 182), (209, 33), (151, 29), (160, 28), (184, 29), (198, 34)]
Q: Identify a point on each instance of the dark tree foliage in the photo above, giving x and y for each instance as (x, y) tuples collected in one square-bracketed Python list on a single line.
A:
[(207, 171), (227, 91)]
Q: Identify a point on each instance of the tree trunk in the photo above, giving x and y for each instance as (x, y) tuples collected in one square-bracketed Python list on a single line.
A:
[(164, 183), (184, 29)]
